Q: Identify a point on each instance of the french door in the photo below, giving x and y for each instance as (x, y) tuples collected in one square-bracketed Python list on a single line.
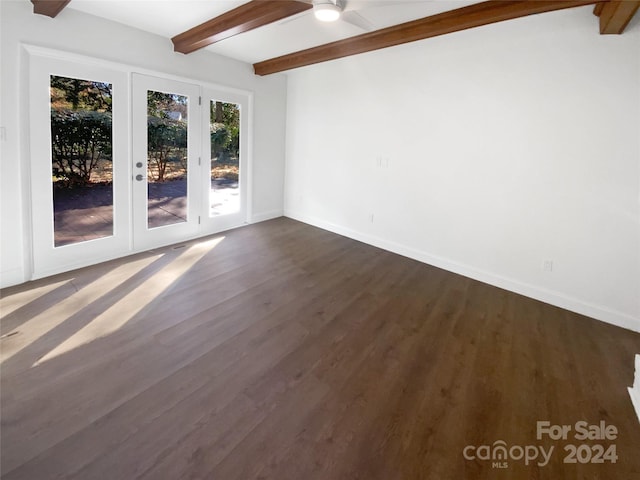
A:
[(166, 161), (122, 162), (189, 168), (80, 207)]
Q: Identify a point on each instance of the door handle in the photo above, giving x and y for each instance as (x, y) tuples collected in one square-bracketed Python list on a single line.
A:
[(140, 177)]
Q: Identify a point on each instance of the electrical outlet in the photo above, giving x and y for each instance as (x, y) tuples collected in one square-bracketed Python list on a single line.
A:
[(547, 266), (382, 162), (371, 218)]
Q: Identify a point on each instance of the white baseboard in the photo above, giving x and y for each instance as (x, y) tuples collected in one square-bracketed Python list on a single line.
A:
[(598, 312), (264, 216)]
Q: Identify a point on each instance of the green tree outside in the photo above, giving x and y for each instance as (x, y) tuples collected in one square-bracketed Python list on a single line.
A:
[(81, 134)]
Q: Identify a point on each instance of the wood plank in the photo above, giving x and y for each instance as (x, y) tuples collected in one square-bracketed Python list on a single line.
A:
[(244, 18), (597, 10), (456, 20), (50, 8), (616, 15), (330, 359)]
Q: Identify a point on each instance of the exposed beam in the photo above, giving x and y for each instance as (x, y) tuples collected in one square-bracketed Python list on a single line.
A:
[(254, 14), (50, 8), (597, 10), (448, 22), (616, 15)]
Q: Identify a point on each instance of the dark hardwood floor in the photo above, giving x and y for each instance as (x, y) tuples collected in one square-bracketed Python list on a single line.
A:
[(282, 351)]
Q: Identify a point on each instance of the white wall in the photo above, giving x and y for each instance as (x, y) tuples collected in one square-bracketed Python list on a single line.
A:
[(76, 32), (507, 145)]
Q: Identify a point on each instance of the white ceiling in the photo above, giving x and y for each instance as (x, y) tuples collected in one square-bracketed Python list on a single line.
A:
[(168, 18)]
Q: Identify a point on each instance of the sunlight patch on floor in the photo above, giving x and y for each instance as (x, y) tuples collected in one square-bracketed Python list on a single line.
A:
[(134, 302), (11, 303), (41, 324)]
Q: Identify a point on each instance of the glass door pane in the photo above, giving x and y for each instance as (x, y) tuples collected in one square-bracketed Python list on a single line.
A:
[(224, 128), (81, 159), (167, 154)]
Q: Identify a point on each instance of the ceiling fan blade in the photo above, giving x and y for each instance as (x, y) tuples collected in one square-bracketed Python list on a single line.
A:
[(354, 18)]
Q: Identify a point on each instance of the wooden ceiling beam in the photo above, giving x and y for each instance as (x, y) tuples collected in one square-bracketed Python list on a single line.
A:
[(50, 8), (597, 10), (254, 14), (616, 15), (456, 20)]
